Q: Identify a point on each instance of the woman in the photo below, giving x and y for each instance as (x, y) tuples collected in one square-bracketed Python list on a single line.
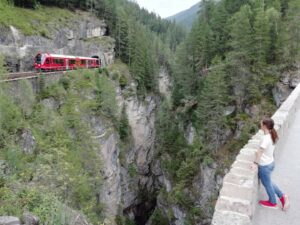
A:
[(265, 162)]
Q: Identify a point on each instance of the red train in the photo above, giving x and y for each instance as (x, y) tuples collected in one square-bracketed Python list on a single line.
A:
[(54, 62)]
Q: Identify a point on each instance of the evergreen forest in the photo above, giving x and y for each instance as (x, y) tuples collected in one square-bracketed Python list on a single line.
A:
[(230, 60)]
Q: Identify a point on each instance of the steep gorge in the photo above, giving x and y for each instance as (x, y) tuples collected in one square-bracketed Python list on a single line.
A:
[(124, 145)]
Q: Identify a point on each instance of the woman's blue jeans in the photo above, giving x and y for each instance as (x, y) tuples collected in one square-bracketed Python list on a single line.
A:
[(264, 174)]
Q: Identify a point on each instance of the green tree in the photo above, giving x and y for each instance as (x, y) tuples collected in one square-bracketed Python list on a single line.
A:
[(211, 106), (292, 32), (261, 36)]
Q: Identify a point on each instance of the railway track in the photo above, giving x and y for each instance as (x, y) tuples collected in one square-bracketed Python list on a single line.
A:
[(25, 75)]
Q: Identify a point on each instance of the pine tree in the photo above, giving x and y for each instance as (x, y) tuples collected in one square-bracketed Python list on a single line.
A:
[(292, 40), (261, 36), (212, 102), (240, 58), (273, 17), (241, 34)]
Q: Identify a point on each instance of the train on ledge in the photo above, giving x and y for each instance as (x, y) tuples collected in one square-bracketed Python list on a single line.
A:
[(54, 62)]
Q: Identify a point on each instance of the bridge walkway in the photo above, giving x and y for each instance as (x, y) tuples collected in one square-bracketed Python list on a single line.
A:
[(287, 176)]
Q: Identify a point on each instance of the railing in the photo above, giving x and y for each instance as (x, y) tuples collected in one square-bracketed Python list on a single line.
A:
[(238, 196)]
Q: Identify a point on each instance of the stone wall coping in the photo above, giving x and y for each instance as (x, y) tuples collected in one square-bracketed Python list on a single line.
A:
[(238, 196)]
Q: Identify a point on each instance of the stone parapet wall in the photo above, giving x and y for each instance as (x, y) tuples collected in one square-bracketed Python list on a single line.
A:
[(238, 196)]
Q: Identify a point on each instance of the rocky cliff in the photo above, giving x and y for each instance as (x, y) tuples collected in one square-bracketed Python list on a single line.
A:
[(289, 79), (82, 34)]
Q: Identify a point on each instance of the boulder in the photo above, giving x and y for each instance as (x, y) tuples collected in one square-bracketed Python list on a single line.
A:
[(30, 219), (27, 142), (295, 80), (280, 93), (9, 220), (4, 168), (229, 110)]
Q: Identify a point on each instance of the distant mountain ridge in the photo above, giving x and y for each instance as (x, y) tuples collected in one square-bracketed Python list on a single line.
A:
[(186, 17)]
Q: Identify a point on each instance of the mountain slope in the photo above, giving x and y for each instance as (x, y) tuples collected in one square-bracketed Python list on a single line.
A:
[(186, 17)]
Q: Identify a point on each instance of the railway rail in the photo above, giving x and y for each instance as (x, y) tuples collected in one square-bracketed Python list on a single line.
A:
[(25, 75)]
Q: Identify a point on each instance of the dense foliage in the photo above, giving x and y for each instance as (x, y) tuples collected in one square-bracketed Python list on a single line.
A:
[(64, 161), (233, 56)]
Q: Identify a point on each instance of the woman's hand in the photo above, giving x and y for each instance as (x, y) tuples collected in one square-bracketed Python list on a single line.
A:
[(253, 166)]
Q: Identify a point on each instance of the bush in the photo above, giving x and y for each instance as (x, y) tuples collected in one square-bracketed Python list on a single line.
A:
[(124, 128), (42, 204), (25, 97), (10, 117), (65, 82), (159, 218), (132, 170), (123, 81), (115, 76), (122, 220), (3, 70), (106, 96)]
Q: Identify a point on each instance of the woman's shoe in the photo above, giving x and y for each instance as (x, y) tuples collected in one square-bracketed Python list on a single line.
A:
[(285, 202), (268, 204)]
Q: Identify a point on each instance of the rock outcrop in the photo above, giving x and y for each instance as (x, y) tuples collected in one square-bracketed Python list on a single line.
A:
[(30, 219), (288, 81), (27, 142), (9, 220), (83, 36)]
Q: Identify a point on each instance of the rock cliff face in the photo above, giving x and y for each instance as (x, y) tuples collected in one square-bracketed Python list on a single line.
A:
[(85, 35), (288, 81)]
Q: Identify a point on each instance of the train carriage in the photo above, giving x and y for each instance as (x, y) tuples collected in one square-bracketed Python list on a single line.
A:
[(55, 62)]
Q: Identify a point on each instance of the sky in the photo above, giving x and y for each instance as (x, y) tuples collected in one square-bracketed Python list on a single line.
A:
[(166, 8)]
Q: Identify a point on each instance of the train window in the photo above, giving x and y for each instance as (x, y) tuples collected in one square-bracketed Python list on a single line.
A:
[(90, 62), (59, 61), (71, 62), (38, 59), (47, 61), (82, 61), (97, 62)]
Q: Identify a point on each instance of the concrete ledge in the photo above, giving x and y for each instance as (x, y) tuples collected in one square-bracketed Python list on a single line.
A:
[(238, 196)]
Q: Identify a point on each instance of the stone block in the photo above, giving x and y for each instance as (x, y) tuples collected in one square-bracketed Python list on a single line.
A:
[(235, 205), (242, 156), (242, 164), (243, 173), (230, 218), (248, 151), (236, 191), (232, 178)]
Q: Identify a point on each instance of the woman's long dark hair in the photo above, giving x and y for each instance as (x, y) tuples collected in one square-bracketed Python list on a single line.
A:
[(269, 123)]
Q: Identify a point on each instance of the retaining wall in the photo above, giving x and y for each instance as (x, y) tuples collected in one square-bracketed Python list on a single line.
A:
[(238, 196)]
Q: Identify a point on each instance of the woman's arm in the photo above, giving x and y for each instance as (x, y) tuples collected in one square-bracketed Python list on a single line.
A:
[(258, 155)]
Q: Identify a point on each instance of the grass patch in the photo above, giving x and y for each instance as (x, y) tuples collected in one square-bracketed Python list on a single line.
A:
[(33, 22)]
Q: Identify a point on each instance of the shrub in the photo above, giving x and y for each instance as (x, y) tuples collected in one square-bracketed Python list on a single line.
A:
[(159, 218), (123, 81), (10, 117), (124, 128), (115, 76), (132, 170), (65, 82)]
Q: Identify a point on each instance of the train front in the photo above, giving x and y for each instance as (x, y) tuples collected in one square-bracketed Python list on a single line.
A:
[(38, 61)]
